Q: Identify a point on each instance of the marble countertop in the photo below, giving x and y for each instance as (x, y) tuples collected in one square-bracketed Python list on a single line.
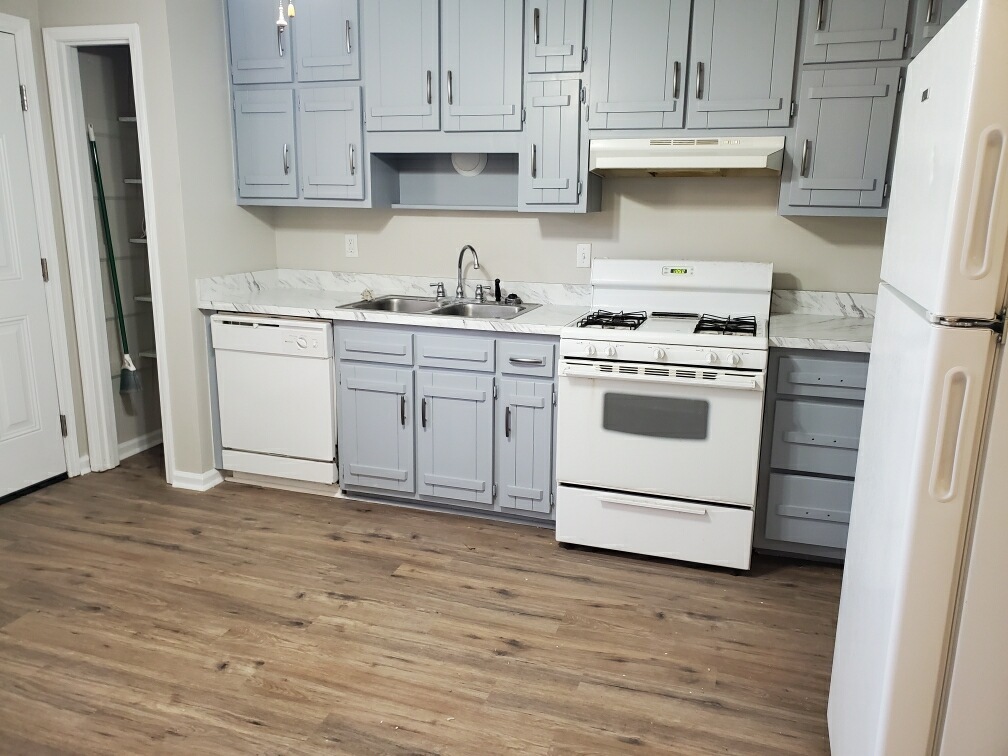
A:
[(822, 320)]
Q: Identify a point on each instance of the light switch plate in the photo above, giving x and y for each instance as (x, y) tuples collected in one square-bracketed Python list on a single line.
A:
[(351, 245), (584, 255)]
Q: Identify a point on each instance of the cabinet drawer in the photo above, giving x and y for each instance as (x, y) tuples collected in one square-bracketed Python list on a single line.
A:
[(831, 377), (533, 358), (458, 352), (816, 437), (692, 532), (371, 345), (807, 510)]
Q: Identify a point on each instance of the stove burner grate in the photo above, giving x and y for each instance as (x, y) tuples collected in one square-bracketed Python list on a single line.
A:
[(744, 325), (629, 321)]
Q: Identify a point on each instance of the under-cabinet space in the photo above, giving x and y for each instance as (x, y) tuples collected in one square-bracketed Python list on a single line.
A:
[(476, 181)]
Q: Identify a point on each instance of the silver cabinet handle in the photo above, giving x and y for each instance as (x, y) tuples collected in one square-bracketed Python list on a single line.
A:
[(535, 26), (699, 80), (804, 160), (930, 12), (675, 80), (423, 412), (280, 31), (286, 155), (538, 361), (819, 18), (402, 410), (507, 421), (533, 160), (428, 87), (348, 36), (353, 161), (450, 98)]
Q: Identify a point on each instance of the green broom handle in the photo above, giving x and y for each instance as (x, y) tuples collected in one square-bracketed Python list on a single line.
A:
[(108, 243)]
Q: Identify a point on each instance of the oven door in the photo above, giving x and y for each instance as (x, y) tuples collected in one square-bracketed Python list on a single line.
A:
[(676, 432)]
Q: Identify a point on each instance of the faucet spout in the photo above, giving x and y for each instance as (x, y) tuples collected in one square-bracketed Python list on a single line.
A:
[(460, 289)]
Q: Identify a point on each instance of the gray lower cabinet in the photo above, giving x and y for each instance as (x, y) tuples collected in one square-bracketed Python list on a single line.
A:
[(264, 143), (843, 135), (329, 143), (929, 17), (550, 170), (326, 40), (401, 49), (554, 36), (811, 434), (637, 57), (376, 427), (742, 63), (455, 436), (525, 444), (844, 31), (260, 50)]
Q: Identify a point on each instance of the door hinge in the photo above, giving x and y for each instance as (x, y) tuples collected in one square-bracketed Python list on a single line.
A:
[(24, 98), (794, 108), (579, 186), (495, 391), (523, 115), (584, 95), (554, 397), (906, 40), (45, 270), (63, 425), (493, 491), (899, 84), (552, 501), (885, 190), (584, 54)]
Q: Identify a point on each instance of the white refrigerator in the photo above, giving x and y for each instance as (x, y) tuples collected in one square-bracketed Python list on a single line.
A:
[(920, 664)]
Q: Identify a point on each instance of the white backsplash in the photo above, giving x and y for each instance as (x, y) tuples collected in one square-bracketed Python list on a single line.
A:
[(822, 303)]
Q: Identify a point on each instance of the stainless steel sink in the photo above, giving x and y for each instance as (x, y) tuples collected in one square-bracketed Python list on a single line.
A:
[(415, 305), (488, 310)]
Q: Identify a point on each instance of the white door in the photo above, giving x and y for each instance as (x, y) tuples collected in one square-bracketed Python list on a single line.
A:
[(923, 419), (31, 442)]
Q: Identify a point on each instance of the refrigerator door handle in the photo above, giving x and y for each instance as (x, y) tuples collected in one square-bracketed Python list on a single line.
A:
[(986, 228), (945, 469)]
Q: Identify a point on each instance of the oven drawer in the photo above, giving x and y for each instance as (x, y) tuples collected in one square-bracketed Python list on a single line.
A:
[(531, 358), (375, 345), (839, 377), (455, 352), (816, 437), (815, 511), (705, 533)]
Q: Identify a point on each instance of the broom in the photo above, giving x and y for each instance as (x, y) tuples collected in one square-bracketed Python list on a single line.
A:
[(129, 378)]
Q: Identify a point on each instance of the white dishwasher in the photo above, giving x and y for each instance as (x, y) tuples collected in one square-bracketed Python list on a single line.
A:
[(276, 396)]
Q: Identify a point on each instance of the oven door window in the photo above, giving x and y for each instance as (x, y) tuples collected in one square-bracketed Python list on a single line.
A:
[(656, 416)]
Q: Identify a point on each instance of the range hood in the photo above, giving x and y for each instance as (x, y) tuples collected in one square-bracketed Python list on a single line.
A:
[(703, 156)]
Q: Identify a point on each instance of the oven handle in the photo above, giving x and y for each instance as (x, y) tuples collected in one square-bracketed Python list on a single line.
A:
[(667, 506), (735, 382)]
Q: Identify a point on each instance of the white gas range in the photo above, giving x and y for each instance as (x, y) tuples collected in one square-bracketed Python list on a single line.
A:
[(660, 410)]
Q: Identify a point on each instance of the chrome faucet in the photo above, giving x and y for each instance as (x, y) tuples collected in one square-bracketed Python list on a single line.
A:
[(460, 289)]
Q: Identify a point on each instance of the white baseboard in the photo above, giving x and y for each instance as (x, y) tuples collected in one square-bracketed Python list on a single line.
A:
[(139, 444), (196, 481), (85, 464)]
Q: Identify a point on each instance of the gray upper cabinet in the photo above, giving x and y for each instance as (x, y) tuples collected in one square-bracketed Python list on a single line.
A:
[(550, 169), (376, 427), (554, 36), (742, 63), (455, 436), (329, 142), (401, 49), (326, 40), (637, 57), (839, 31), (264, 143), (481, 65), (929, 17), (260, 50), (840, 153), (525, 444)]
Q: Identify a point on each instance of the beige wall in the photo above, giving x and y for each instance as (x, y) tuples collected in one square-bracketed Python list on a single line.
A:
[(701, 218)]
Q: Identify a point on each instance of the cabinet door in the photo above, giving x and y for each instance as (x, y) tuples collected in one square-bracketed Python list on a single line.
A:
[(839, 31), (550, 169), (525, 444), (929, 17), (376, 427), (329, 143), (401, 65), (264, 141), (260, 50), (637, 60), (481, 50), (842, 137), (326, 40), (743, 54), (554, 36), (455, 435)]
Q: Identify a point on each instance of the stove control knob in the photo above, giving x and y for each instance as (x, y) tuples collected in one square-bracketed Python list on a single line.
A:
[(712, 358), (734, 359), (589, 351), (610, 351), (659, 354)]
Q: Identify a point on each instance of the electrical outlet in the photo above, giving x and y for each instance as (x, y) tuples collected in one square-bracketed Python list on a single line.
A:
[(351, 245), (584, 255)]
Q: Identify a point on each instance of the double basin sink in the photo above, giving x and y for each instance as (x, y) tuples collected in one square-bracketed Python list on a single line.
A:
[(442, 307)]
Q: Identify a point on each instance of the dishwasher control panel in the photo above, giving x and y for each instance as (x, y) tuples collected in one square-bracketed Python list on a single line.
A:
[(265, 335)]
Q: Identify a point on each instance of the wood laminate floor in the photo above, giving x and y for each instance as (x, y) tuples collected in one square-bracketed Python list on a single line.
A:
[(136, 618)]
